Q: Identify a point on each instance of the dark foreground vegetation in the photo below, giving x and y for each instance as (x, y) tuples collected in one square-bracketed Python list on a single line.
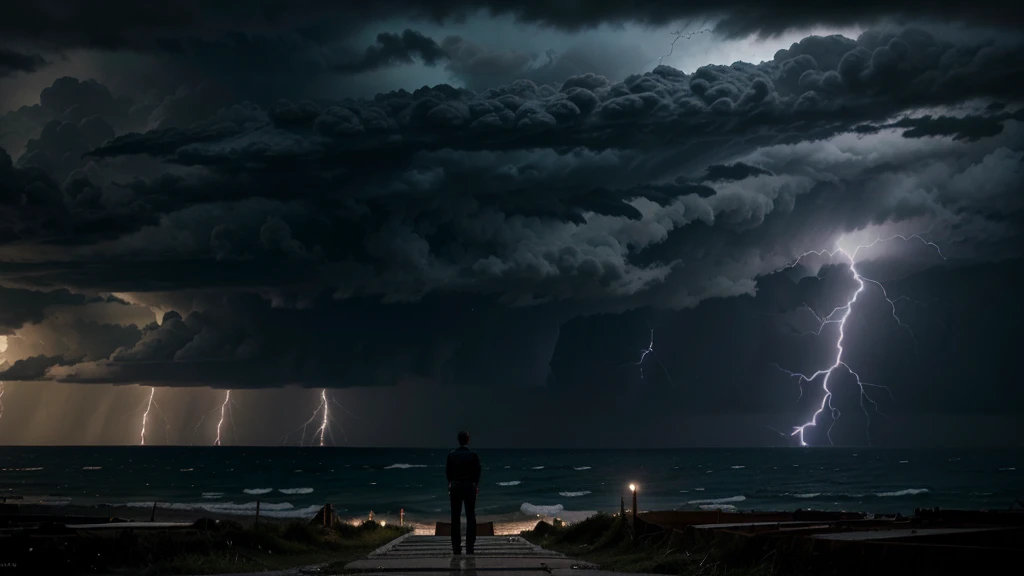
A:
[(606, 540), (212, 547)]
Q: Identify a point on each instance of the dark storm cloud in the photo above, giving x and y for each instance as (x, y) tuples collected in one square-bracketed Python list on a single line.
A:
[(243, 342), (117, 24), (326, 232), (737, 171), (393, 49), (19, 307), (12, 62), (32, 368), (794, 96)]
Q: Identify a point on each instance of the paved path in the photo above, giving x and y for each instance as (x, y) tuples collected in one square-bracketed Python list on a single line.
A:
[(431, 555)]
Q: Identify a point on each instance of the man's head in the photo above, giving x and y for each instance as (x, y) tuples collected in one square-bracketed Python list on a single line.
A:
[(463, 438)]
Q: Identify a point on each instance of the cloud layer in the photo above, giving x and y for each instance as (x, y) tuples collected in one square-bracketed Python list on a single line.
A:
[(222, 240)]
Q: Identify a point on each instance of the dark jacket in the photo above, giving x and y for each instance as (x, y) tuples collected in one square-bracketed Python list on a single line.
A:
[(463, 467)]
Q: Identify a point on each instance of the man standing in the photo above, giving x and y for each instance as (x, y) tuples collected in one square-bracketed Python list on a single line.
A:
[(463, 470)]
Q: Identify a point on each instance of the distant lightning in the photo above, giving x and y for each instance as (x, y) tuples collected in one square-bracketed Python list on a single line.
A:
[(680, 34), (223, 410), (1, 399), (844, 313), (145, 416), (323, 412), (649, 350)]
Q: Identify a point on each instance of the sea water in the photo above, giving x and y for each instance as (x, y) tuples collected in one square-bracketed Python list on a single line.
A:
[(516, 484)]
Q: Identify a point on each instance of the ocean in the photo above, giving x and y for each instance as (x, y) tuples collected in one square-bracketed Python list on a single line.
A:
[(516, 485)]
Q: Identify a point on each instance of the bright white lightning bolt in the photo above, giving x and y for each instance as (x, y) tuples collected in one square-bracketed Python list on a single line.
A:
[(223, 410), (325, 420), (323, 425), (844, 310), (145, 416)]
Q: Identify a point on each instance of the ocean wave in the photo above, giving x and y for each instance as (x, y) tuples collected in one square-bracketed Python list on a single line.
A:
[(212, 495), (274, 510), (510, 483), (541, 510), (904, 461), (574, 494), (698, 489), (1007, 469), (55, 501), (186, 469), (257, 491), (717, 507), (20, 469), (739, 498), (538, 467), (906, 492), (92, 467), (581, 468), (404, 466), (807, 495), (737, 467), (296, 491)]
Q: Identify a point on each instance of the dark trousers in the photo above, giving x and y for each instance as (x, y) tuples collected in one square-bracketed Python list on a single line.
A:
[(463, 496)]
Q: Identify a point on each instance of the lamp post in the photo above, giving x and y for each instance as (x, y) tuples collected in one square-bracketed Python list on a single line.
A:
[(633, 488)]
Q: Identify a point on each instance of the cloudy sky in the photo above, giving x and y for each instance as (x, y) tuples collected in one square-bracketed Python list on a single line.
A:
[(570, 224)]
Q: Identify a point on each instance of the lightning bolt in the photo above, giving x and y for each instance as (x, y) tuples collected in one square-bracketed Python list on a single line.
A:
[(844, 313), (323, 425), (643, 356), (223, 410), (680, 34), (1, 399), (323, 429), (145, 416)]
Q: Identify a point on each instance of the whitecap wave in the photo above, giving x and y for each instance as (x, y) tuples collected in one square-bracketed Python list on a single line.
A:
[(1007, 469), (904, 461), (907, 492), (538, 467), (807, 495), (92, 467), (212, 495), (510, 483), (574, 494), (296, 491), (739, 498), (581, 468), (404, 466), (737, 467), (717, 507), (541, 510), (258, 491)]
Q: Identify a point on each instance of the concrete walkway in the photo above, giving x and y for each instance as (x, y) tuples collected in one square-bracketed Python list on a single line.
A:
[(432, 555)]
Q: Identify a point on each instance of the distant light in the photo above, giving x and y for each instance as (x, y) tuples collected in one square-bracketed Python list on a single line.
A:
[(632, 487), (383, 523)]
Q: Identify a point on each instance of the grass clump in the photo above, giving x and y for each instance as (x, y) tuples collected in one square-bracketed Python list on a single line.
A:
[(606, 540), (209, 548)]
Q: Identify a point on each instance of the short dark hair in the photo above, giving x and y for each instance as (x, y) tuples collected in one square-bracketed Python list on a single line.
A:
[(463, 438)]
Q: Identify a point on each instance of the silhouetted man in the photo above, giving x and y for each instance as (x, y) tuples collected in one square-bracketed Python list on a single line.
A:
[(463, 470)]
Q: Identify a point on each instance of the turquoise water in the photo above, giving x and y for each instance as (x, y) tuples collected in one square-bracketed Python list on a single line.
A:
[(295, 482)]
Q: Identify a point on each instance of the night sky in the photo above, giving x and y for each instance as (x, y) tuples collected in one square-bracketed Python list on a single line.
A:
[(483, 214)]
